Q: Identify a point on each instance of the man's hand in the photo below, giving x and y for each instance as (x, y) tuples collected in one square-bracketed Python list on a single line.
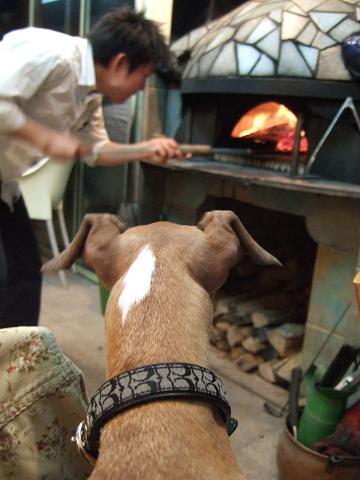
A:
[(57, 145), (62, 146), (161, 149), (156, 151)]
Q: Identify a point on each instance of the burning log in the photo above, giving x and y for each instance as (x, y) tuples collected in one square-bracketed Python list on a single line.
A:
[(270, 122)]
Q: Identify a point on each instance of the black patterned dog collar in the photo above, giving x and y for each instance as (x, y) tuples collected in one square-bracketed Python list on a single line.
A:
[(146, 384)]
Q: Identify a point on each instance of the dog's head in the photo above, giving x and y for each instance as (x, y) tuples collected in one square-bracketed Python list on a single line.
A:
[(206, 251)]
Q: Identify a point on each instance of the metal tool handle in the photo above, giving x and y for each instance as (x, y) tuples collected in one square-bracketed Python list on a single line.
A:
[(351, 387), (338, 367), (197, 149), (294, 399), (141, 150)]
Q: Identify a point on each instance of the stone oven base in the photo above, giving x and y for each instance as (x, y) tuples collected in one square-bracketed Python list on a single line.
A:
[(181, 194)]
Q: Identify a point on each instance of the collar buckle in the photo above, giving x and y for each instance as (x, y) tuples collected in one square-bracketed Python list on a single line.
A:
[(79, 439)]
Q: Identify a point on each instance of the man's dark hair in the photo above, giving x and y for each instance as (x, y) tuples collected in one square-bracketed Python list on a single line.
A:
[(126, 31)]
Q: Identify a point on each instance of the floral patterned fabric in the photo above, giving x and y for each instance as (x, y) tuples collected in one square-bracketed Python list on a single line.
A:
[(42, 400)]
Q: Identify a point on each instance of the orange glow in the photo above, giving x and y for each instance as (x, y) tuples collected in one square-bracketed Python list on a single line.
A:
[(270, 122)]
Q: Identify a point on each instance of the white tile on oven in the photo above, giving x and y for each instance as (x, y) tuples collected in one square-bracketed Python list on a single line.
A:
[(271, 44), (247, 57)]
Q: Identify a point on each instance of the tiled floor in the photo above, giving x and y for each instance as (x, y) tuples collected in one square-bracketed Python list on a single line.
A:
[(73, 315)]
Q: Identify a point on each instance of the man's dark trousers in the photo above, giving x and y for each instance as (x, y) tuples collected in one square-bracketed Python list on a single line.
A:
[(20, 264)]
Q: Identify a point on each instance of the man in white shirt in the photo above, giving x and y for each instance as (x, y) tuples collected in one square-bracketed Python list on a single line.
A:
[(51, 86)]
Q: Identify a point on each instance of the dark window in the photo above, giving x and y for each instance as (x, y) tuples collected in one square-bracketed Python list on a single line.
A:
[(13, 15), (60, 15), (99, 7)]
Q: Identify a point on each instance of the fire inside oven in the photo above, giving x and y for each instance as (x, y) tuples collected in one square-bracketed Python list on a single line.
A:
[(270, 124), (281, 133)]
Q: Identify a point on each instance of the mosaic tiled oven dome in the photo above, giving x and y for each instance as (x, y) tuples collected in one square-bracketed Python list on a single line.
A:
[(272, 38)]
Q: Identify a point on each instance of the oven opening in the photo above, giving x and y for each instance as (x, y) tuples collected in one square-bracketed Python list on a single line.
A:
[(270, 125)]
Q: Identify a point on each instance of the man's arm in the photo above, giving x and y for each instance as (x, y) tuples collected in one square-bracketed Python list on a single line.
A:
[(54, 144), (28, 65), (157, 151), (107, 153)]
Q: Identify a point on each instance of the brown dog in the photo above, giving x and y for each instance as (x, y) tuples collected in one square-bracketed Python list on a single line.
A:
[(161, 278)]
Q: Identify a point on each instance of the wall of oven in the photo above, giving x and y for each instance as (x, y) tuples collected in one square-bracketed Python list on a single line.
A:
[(182, 194)]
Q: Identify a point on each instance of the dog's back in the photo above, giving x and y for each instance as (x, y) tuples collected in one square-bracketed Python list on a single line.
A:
[(162, 276)]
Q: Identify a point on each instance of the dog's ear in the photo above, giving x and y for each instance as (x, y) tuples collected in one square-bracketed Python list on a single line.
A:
[(107, 225), (219, 223)]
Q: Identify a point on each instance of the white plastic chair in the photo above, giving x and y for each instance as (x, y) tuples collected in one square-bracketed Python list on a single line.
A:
[(43, 187)]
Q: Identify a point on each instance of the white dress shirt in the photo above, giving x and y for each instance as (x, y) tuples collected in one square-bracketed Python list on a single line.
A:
[(49, 77)]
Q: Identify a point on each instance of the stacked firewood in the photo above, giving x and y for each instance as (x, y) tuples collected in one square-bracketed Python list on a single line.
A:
[(262, 335), (260, 312)]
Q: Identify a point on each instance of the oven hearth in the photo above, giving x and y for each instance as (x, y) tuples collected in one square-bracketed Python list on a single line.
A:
[(247, 158)]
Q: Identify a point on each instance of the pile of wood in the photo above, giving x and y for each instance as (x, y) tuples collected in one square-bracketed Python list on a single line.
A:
[(260, 313), (260, 335)]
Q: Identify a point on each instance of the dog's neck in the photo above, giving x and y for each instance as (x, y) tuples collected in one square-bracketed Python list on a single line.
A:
[(159, 313), (170, 324)]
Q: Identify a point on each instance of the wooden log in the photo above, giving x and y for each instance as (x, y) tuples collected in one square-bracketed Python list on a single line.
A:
[(269, 353), (253, 383), (235, 353), (283, 372), (265, 318), (246, 308), (223, 325), (278, 302), (287, 338), (242, 320), (253, 344), (236, 335), (232, 319), (248, 362), (221, 308), (261, 334), (226, 305), (225, 320), (267, 370), (216, 336), (222, 345)]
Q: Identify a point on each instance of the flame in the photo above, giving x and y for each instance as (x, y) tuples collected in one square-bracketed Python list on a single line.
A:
[(273, 122), (286, 143)]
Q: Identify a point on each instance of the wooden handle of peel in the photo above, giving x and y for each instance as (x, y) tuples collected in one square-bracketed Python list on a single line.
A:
[(141, 150), (197, 149)]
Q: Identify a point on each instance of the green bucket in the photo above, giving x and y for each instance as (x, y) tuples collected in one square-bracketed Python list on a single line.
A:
[(323, 411), (104, 296)]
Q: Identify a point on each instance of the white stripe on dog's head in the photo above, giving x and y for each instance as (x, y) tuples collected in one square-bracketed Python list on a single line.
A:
[(137, 282)]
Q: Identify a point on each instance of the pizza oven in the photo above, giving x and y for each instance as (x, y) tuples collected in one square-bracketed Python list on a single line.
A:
[(267, 87)]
